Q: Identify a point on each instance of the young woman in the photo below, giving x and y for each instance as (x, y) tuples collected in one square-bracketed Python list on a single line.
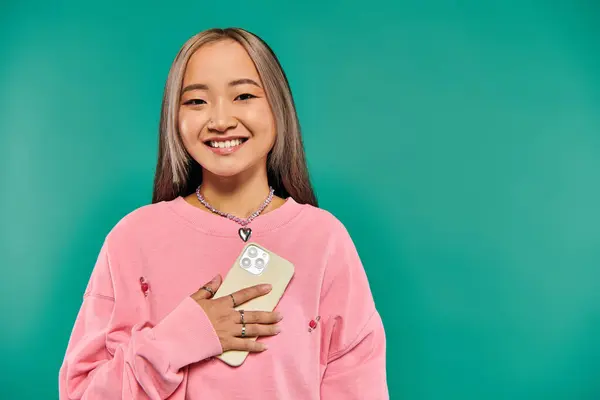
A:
[(231, 168)]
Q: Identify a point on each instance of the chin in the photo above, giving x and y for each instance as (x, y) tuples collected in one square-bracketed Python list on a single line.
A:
[(229, 168), (224, 172)]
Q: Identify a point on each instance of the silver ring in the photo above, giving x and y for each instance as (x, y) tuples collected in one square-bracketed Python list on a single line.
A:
[(209, 290), (233, 298), (242, 316), (244, 330)]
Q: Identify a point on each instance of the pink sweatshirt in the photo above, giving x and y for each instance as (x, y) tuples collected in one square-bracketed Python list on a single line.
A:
[(127, 344)]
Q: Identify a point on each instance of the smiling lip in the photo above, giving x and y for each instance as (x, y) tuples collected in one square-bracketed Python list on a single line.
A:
[(224, 150)]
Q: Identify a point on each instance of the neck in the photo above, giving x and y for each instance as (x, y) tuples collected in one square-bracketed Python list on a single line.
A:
[(237, 195)]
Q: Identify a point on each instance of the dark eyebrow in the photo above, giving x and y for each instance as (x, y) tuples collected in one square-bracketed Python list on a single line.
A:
[(194, 86), (202, 86), (243, 81)]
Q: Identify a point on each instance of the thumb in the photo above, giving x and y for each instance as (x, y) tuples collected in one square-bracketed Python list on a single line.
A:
[(213, 285)]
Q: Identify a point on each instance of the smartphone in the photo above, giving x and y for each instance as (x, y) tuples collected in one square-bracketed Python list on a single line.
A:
[(255, 265)]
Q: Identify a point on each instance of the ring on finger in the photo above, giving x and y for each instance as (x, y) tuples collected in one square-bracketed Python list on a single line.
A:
[(233, 299), (243, 323), (208, 289)]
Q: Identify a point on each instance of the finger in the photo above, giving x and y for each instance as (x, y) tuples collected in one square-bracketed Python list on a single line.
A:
[(244, 295), (257, 317), (206, 291), (256, 330), (247, 345)]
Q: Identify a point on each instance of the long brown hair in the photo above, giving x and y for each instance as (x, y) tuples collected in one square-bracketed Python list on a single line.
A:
[(178, 174)]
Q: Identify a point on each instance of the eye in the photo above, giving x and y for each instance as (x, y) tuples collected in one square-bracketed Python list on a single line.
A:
[(245, 96), (195, 102)]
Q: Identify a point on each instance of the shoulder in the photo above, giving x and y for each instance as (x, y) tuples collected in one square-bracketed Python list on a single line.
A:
[(140, 222), (343, 264), (122, 240), (326, 224)]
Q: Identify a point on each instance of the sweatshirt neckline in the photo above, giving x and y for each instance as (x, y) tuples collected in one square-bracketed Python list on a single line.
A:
[(220, 226)]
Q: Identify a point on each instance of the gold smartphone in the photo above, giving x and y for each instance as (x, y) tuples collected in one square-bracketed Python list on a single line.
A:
[(255, 265)]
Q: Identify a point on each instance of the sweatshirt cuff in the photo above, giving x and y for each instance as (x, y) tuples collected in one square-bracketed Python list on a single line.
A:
[(188, 335)]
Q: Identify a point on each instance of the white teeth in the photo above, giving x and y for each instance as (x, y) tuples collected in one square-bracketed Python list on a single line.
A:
[(225, 144)]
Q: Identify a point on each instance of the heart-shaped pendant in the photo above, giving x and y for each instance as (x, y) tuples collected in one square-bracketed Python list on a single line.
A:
[(245, 233)]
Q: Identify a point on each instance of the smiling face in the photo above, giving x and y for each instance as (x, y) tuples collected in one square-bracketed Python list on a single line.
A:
[(225, 120)]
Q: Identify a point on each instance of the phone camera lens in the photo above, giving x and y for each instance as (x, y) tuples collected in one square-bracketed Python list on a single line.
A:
[(252, 252), (260, 263), (246, 262)]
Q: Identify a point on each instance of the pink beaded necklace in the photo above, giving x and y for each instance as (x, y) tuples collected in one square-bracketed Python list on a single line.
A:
[(244, 231)]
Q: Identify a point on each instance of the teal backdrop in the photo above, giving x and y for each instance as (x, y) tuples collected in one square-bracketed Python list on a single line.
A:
[(459, 142)]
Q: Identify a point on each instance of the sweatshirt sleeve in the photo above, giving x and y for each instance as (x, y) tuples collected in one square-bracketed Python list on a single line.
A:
[(111, 357), (353, 338)]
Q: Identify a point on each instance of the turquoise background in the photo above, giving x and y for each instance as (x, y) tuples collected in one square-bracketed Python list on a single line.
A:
[(458, 141)]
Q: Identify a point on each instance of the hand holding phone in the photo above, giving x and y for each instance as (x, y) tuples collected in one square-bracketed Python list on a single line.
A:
[(227, 321), (250, 302)]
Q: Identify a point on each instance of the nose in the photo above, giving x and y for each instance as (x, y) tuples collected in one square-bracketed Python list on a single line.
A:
[(221, 118)]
